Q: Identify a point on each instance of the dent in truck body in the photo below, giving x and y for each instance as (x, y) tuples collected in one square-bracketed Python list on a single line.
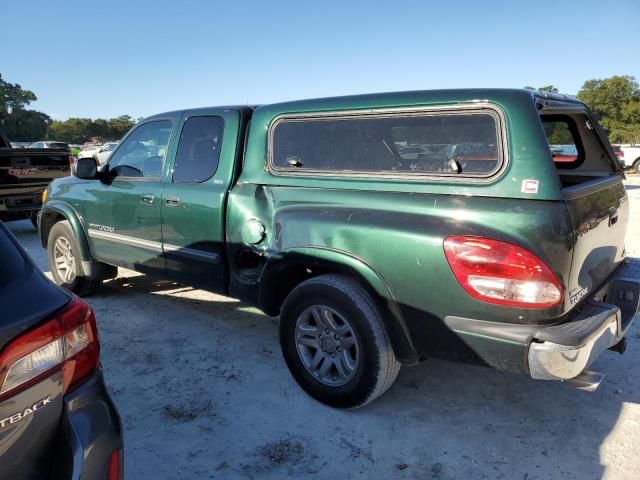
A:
[(314, 230)]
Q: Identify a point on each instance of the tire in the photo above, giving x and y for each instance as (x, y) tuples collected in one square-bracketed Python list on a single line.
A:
[(636, 165), (61, 240), (34, 220), (357, 337)]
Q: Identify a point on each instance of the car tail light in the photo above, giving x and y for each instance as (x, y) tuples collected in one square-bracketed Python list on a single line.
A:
[(502, 273), (72, 160), (113, 466), (68, 341)]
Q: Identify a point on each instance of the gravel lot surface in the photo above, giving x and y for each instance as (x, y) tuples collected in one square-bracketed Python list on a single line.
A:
[(204, 393)]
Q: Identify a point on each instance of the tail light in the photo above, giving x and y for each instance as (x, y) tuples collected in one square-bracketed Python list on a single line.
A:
[(502, 273), (620, 153), (68, 341), (72, 160), (113, 465)]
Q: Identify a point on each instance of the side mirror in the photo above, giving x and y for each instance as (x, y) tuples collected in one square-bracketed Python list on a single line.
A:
[(86, 168)]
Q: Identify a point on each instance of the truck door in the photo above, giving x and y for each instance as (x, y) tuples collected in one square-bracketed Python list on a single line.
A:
[(122, 213), (194, 198)]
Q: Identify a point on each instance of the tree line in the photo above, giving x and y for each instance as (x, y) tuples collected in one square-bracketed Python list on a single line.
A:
[(615, 101), (22, 124)]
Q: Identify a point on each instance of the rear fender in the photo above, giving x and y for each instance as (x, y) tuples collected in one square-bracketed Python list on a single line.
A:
[(286, 269)]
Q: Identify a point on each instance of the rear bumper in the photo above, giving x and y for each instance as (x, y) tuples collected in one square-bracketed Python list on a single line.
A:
[(564, 351), (19, 206), (553, 359), (92, 429)]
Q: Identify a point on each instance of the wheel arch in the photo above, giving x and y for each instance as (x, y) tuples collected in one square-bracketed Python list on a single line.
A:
[(286, 269), (54, 212)]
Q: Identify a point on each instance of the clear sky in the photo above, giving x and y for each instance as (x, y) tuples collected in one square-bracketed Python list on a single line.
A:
[(140, 57)]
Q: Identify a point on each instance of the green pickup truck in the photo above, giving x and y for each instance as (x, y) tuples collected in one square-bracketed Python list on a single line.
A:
[(382, 229)]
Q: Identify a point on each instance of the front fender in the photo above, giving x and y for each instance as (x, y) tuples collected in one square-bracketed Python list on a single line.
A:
[(325, 260), (52, 211)]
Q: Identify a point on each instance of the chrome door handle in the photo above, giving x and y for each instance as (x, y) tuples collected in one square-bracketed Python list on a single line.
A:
[(147, 198), (172, 201)]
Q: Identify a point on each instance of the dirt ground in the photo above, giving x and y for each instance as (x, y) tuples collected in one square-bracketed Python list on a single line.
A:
[(204, 393)]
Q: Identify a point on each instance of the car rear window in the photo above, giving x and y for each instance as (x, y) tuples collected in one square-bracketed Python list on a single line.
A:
[(12, 263), (466, 144)]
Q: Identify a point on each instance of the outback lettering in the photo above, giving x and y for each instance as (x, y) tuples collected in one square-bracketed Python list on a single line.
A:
[(16, 417)]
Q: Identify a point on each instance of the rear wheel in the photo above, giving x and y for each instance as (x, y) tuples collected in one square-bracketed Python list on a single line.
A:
[(335, 343), (636, 165), (65, 261)]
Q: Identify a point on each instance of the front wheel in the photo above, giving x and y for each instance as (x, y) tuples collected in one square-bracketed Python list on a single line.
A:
[(334, 342), (65, 261)]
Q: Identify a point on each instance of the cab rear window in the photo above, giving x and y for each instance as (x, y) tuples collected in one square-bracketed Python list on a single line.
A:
[(443, 144)]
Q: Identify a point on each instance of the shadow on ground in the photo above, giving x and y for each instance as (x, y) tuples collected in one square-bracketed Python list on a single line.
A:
[(448, 420)]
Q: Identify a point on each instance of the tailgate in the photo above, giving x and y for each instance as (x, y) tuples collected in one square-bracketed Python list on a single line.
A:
[(26, 170), (599, 213), (594, 194)]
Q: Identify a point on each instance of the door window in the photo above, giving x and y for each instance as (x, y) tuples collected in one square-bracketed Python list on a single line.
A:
[(143, 153), (199, 150)]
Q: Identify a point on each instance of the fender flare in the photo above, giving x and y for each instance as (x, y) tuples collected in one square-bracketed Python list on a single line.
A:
[(53, 210), (337, 261)]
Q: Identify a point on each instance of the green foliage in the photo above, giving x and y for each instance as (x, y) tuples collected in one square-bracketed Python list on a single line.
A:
[(18, 123), (616, 103), (13, 97), (558, 133), (80, 130), (26, 125)]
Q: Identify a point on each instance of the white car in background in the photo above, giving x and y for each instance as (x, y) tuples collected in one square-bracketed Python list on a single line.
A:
[(89, 151), (629, 156), (50, 144), (105, 152)]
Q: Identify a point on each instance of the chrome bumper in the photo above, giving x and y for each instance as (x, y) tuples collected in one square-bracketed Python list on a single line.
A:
[(554, 361), (563, 352)]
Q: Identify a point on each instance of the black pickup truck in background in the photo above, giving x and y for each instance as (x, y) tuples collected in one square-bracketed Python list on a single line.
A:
[(24, 174)]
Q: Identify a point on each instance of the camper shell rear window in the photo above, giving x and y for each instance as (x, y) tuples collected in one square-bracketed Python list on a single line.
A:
[(578, 150)]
